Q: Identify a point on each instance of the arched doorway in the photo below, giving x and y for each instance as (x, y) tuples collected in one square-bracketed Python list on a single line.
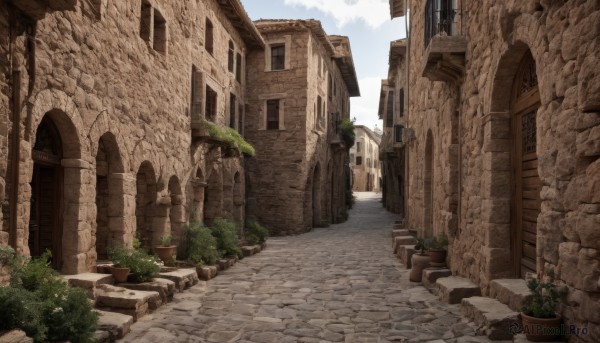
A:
[(145, 201), (428, 187), (316, 197), (46, 202), (109, 195), (525, 102)]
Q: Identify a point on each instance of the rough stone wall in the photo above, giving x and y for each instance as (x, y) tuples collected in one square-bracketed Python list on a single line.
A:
[(563, 40), (96, 74), (281, 175)]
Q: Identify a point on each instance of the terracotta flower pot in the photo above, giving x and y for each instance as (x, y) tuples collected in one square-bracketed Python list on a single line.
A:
[(541, 329), (165, 253), (437, 255), (119, 274)]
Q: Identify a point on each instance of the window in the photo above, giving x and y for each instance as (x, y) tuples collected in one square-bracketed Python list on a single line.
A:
[(232, 111), (273, 114), (238, 67), (208, 37), (153, 28), (196, 96), (278, 57), (401, 102), (357, 146), (398, 133), (240, 128), (230, 55), (330, 87), (210, 111), (390, 109), (439, 18), (319, 107), (358, 160)]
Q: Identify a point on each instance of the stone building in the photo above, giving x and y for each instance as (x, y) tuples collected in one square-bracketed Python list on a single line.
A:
[(502, 140), (101, 133), (298, 178), (364, 160)]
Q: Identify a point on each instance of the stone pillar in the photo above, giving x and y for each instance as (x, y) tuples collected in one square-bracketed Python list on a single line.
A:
[(78, 213), (198, 201), (121, 209), (160, 220)]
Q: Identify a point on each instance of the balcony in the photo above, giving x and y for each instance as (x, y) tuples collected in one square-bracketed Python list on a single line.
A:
[(444, 41), (37, 9), (336, 141)]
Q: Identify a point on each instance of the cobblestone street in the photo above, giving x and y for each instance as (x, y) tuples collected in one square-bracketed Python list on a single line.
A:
[(336, 284)]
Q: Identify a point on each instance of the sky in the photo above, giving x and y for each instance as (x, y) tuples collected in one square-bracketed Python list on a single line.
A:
[(368, 25)]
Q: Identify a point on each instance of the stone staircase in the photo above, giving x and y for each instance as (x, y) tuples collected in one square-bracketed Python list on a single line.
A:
[(496, 315)]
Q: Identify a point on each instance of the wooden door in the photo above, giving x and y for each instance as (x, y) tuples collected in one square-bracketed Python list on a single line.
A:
[(526, 181)]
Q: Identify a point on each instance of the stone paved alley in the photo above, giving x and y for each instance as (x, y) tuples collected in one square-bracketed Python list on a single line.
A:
[(336, 284)]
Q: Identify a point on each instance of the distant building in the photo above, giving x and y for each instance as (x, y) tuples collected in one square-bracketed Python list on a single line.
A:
[(302, 84), (364, 161)]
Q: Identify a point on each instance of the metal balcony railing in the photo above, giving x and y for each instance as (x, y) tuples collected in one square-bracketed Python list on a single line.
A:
[(442, 17)]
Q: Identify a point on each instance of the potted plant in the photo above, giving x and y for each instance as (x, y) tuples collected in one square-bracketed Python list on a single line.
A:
[(540, 321), (419, 261), (121, 259), (166, 250), (436, 248)]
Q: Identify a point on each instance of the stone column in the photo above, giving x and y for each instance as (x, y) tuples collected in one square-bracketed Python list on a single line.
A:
[(121, 209), (198, 200), (78, 213)]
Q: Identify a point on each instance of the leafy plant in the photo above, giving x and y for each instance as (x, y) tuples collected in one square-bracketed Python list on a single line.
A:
[(142, 266), (231, 137), (544, 299), (166, 240), (255, 232), (227, 240), (348, 134), (43, 305), (7, 255), (437, 243), (201, 245), (420, 246)]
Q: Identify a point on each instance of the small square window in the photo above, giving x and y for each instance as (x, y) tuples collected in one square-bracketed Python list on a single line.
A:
[(273, 114), (230, 55), (278, 57), (358, 160), (211, 104), (208, 37)]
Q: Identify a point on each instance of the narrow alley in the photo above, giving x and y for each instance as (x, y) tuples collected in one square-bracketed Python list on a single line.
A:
[(336, 284)]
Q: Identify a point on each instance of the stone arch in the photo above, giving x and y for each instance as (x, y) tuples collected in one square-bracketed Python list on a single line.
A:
[(498, 204), (145, 204), (316, 196), (428, 191), (213, 196), (109, 229), (101, 126), (177, 210)]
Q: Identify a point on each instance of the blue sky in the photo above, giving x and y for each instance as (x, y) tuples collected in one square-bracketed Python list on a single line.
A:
[(366, 22)]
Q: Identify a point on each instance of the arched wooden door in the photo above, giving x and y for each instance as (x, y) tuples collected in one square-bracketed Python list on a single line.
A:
[(45, 215), (526, 181)]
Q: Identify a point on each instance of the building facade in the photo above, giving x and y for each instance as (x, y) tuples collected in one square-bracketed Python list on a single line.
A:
[(104, 134), (364, 161), (298, 178), (500, 141)]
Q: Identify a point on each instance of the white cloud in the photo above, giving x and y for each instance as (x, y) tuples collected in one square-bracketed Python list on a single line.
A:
[(365, 107), (373, 12)]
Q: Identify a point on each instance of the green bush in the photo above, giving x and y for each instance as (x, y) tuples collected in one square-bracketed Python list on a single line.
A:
[(348, 134), (142, 266), (227, 240), (43, 305), (201, 245), (255, 232), (21, 309)]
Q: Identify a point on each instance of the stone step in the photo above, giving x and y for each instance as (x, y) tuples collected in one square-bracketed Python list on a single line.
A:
[(89, 281), (400, 232), (15, 336), (405, 253), (207, 272), (403, 240), (117, 325), (431, 275), (126, 301), (453, 289), (248, 250), (164, 287), (183, 278), (493, 316), (511, 292)]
